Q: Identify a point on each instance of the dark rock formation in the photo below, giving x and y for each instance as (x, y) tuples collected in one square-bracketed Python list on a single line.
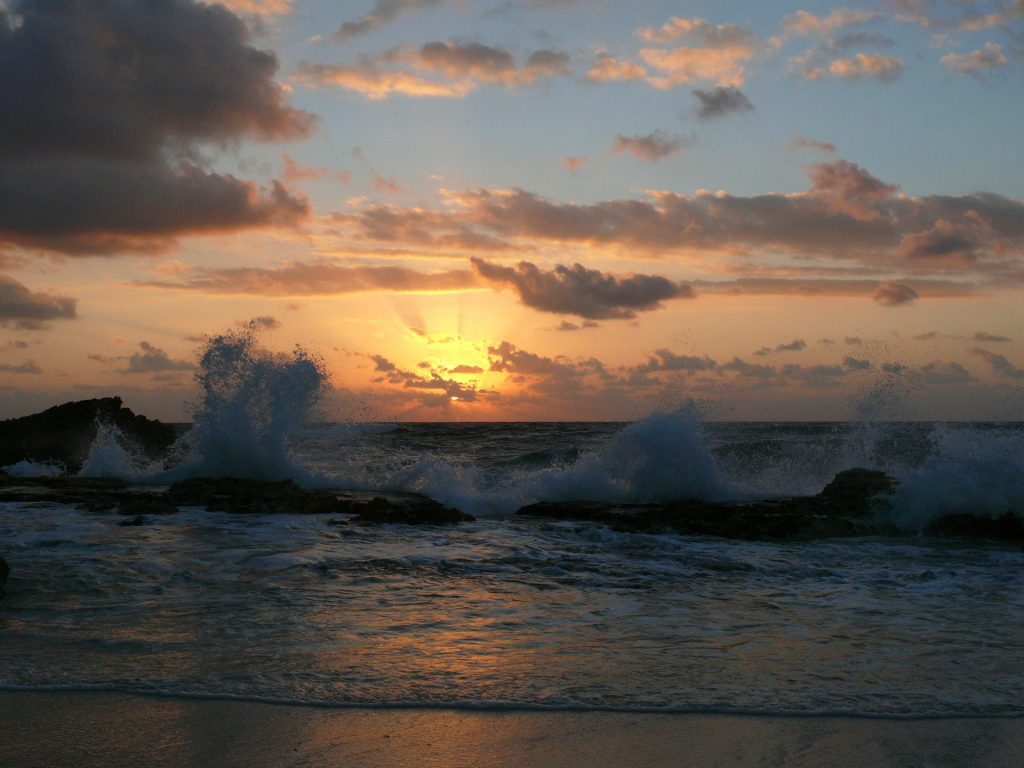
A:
[(408, 509), (843, 508), (1008, 527), (227, 494), (64, 433), (5, 571)]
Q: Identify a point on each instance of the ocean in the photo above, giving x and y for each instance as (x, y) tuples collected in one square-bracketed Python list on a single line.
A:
[(518, 613)]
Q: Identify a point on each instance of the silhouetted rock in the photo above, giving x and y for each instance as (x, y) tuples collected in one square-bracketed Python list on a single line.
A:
[(229, 494), (408, 510), (843, 508), (63, 434), (5, 571), (1007, 527)]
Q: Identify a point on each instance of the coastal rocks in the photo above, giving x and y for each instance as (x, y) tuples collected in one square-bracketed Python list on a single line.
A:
[(5, 571), (843, 508), (63, 434), (285, 497)]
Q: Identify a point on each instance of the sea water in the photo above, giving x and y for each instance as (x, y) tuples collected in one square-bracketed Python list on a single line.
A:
[(509, 612)]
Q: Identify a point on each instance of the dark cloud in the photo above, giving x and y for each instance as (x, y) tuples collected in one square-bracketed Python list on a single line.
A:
[(382, 12), (105, 103), (152, 359), (262, 323), (666, 360), (719, 102), (943, 244), (856, 363), (318, 278), (1000, 365), (940, 374), (577, 290), (651, 147), (29, 310), (983, 336), (28, 367), (447, 390), (895, 294)]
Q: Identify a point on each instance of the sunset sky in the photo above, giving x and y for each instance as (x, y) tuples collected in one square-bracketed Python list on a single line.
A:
[(520, 209)]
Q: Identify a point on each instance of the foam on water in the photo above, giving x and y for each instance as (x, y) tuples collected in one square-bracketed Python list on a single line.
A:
[(25, 468)]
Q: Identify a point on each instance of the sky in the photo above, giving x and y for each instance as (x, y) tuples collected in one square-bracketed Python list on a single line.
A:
[(519, 209)]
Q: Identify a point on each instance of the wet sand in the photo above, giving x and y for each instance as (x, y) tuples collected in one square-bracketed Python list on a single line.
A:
[(111, 729)]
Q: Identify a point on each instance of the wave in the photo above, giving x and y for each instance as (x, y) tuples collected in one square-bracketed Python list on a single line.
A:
[(979, 711)]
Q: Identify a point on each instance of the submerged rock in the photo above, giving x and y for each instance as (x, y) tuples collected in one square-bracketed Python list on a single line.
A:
[(408, 509), (63, 434)]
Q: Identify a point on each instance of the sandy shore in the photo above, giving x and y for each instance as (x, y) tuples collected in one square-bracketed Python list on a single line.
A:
[(109, 729)]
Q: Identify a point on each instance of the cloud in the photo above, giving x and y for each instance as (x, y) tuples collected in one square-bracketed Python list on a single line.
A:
[(433, 391), (259, 7), (989, 56), (1000, 365), (863, 66), (609, 69), (154, 360), (944, 244), (262, 323), (437, 69), (317, 279), (856, 363), (895, 294), (698, 31), (28, 310), (295, 172), (584, 292), (719, 102), (845, 214), (28, 367), (805, 23), (382, 12), (575, 164), (941, 374), (99, 148), (666, 360), (651, 147), (825, 147), (982, 336)]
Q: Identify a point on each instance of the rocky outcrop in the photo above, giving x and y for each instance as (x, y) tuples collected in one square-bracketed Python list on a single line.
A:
[(64, 433), (5, 571), (843, 508)]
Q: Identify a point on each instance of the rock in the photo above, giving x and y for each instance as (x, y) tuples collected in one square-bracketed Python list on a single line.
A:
[(843, 508), (232, 494), (5, 571), (1007, 527), (63, 434), (408, 510)]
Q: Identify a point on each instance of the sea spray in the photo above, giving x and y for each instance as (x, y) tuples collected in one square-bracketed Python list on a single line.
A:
[(972, 470), (662, 457), (251, 401), (113, 455)]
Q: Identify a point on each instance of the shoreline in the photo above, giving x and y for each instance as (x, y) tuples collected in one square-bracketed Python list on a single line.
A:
[(102, 728)]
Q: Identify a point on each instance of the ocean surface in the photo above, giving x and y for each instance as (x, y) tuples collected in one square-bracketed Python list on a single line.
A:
[(516, 613)]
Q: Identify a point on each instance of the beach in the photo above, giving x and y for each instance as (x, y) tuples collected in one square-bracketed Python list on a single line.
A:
[(87, 729)]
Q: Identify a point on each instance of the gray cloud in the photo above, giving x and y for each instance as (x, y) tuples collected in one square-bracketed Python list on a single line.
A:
[(651, 147), (28, 367), (152, 359), (1000, 365), (29, 310), (856, 363), (895, 294), (584, 292), (98, 142), (983, 336), (990, 56), (719, 102), (382, 12)]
